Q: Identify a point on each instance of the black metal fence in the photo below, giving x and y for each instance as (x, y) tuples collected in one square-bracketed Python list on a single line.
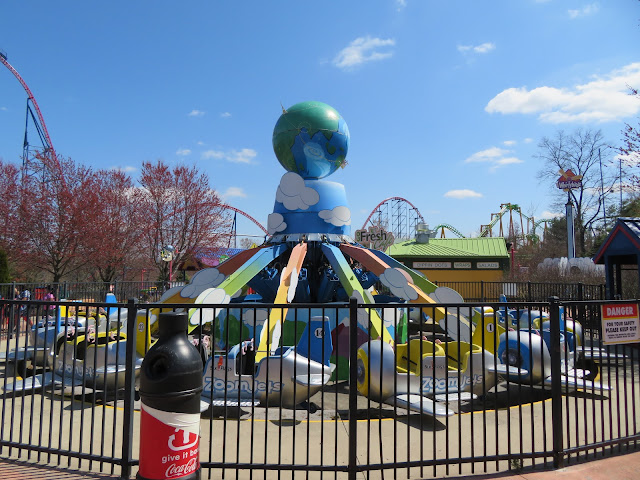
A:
[(144, 291), (539, 394), (149, 292), (525, 291)]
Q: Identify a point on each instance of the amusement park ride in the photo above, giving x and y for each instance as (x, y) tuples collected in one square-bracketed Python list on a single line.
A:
[(310, 258)]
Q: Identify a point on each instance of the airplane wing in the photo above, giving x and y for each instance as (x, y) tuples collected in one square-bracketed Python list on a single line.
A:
[(17, 355), (575, 382), (599, 354), (420, 404), (502, 369), (312, 380), (229, 402), (455, 397), (42, 380)]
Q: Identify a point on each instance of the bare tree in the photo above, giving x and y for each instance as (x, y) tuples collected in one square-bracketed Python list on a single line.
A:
[(630, 151), (177, 207), (581, 152)]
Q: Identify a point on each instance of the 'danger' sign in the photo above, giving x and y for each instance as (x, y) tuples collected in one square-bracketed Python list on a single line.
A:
[(620, 324)]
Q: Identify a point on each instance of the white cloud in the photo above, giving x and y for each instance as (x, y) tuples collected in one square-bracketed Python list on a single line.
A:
[(508, 161), (337, 216), (549, 215), (237, 192), (509, 143), (480, 49), (462, 194), (225, 115), (125, 169), (246, 155), (603, 99), (215, 154), (183, 152), (4, 109), (494, 156), (196, 113), (363, 50), (528, 140), (488, 155), (294, 194), (590, 9)]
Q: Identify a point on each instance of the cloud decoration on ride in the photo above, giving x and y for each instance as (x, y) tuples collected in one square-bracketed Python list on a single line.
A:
[(397, 282), (337, 216), (275, 223), (204, 279), (294, 194)]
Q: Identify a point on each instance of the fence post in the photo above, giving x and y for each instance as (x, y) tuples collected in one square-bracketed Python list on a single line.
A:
[(556, 384), (129, 379), (482, 290), (529, 299), (353, 391)]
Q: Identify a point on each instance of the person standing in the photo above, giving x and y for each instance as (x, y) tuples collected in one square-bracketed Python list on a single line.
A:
[(25, 296), (50, 310)]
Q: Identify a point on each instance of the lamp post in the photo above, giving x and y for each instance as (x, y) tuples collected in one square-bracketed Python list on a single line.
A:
[(167, 253)]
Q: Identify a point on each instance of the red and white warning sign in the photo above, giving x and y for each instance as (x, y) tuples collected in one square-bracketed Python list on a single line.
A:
[(620, 324)]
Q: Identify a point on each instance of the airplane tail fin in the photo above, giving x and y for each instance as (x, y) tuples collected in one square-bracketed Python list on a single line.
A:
[(488, 329), (315, 342)]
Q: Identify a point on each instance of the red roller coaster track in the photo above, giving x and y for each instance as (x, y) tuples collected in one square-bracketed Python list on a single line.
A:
[(234, 209), (4, 61), (49, 157), (364, 225)]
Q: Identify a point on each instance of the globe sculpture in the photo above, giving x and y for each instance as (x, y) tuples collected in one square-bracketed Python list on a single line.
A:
[(311, 139)]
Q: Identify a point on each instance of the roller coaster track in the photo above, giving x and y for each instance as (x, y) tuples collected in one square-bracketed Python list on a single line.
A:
[(399, 222), (442, 227), (527, 236), (48, 156), (237, 210)]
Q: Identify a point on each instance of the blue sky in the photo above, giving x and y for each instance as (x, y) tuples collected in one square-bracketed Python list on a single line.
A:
[(445, 100)]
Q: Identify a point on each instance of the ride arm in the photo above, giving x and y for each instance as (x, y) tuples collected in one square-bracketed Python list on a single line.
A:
[(286, 291), (351, 285)]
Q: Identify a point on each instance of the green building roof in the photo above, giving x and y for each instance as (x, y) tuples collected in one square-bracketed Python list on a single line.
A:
[(492, 247)]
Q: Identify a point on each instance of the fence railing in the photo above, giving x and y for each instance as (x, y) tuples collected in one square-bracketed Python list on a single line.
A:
[(145, 292), (466, 388), (525, 291)]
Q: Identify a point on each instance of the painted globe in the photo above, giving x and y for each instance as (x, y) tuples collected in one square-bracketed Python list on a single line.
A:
[(311, 139)]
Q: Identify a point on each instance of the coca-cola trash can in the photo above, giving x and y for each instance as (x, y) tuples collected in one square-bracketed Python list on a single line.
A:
[(170, 388)]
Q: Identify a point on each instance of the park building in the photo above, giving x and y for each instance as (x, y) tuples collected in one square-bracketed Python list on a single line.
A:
[(451, 261)]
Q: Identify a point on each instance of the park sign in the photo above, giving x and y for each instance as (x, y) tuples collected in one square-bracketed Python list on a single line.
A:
[(620, 324), (376, 238), (569, 180)]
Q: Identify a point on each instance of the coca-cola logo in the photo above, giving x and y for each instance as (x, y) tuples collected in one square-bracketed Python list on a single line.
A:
[(176, 470)]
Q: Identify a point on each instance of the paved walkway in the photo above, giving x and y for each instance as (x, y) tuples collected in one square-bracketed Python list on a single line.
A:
[(618, 467), (20, 470)]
